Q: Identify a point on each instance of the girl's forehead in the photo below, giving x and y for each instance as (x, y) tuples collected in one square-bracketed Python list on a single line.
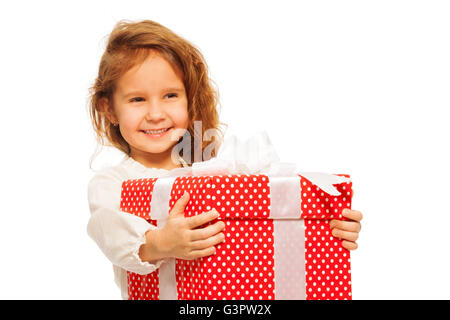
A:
[(154, 73)]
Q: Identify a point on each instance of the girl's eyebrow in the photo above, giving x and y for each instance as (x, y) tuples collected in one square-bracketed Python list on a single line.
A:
[(137, 93), (176, 89)]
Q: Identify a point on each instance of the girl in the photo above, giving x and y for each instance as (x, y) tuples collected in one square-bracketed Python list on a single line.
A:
[(151, 87)]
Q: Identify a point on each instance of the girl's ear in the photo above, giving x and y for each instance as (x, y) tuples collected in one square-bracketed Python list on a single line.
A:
[(105, 107)]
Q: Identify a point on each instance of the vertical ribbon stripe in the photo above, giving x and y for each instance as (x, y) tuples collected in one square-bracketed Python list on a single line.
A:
[(289, 240), (289, 259), (160, 204)]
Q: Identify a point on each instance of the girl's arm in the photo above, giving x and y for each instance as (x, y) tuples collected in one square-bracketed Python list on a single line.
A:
[(133, 244), (119, 235)]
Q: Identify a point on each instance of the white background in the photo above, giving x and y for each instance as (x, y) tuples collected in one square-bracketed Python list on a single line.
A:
[(357, 87)]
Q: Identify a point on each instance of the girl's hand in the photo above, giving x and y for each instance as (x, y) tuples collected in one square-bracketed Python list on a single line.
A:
[(348, 231), (181, 237)]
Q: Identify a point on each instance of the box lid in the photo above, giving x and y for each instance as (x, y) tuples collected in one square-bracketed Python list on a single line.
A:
[(236, 197)]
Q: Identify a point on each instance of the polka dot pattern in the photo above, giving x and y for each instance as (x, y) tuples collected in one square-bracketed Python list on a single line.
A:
[(135, 199), (233, 196), (243, 266), (136, 196), (327, 263)]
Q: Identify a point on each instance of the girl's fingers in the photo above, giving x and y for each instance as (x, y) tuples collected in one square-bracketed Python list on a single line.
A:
[(351, 226), (180, 204), (349, 245), (348, 231), (201, 219), (352, 214), (211, 241), (345, 235), (201, 253), (206, 232)]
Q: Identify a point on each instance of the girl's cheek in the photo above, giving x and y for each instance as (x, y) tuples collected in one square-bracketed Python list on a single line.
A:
[(129, 122), (180, 115)]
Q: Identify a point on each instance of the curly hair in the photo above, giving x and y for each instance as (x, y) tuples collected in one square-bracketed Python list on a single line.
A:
[(129, 44)]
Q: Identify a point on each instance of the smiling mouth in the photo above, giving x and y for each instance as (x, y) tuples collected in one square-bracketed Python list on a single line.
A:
[(158, 131), (156, 134)]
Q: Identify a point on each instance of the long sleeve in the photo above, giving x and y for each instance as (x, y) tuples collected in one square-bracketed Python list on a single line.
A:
[(118, 234)]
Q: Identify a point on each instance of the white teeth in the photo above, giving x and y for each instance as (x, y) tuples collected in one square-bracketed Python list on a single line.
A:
[(155, 131)]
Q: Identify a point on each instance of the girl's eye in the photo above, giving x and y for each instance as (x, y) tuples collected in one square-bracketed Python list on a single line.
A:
[(137, 99), (171, 95)]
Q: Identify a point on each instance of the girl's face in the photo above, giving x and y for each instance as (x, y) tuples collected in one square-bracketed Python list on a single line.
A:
[(150, 105)]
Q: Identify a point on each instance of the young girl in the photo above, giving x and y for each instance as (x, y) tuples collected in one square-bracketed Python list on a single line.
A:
[(151, 87)]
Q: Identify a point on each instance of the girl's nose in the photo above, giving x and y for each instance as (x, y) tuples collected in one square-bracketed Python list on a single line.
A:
[(155, 112)]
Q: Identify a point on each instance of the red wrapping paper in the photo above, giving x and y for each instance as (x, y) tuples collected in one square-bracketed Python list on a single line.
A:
[(244, 266)]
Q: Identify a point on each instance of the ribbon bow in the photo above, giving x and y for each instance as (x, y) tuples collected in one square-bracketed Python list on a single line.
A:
[(256, 155)]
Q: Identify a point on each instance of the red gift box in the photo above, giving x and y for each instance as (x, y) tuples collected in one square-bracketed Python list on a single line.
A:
[(278, 242)]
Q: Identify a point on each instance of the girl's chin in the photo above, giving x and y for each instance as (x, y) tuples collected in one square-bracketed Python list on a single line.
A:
[(155, 148)]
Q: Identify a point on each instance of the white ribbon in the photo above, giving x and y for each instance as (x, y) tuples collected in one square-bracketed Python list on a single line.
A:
[(256, 155)]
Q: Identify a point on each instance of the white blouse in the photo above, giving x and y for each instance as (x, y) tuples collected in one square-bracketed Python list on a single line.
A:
[(119, 234)]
